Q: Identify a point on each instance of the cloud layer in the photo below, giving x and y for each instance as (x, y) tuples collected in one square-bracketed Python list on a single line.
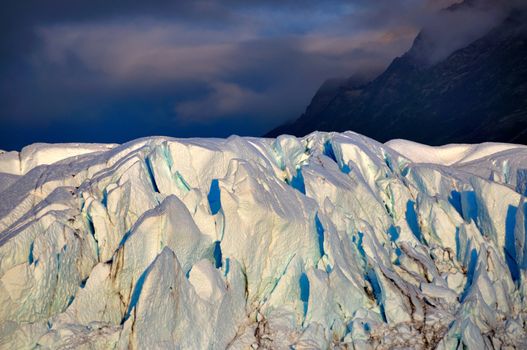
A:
[(199, 68)]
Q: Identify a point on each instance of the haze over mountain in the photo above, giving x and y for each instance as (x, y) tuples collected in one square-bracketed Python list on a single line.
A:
[(438, 92)]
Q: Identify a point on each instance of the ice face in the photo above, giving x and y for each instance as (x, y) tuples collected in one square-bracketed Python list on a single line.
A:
[(328, 241)]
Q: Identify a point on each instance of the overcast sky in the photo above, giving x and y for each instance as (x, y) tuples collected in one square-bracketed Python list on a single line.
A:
[(111, 71)]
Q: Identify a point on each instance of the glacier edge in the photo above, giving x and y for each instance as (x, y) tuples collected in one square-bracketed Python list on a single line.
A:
[(328, 241)]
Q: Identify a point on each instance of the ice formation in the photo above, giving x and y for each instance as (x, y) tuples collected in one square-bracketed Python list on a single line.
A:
[(328, 241)]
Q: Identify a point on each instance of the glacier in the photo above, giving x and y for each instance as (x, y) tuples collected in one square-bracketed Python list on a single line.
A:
[(328, 241)]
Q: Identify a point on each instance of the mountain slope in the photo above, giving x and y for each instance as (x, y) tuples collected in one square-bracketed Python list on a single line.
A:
[(478, 93), (329, 241)]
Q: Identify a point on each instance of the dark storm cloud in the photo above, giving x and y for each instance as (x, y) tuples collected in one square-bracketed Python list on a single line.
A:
[(188, 67)]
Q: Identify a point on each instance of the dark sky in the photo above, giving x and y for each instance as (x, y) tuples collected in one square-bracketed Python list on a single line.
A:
[(112, 71)]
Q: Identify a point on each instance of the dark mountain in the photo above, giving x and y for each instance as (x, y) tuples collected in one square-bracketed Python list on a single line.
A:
[(477, 93)]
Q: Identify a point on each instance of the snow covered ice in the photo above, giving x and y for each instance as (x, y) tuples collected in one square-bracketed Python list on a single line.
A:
[(329, 241)]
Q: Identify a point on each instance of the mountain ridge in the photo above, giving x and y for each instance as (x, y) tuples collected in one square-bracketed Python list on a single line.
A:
[(478, 93)]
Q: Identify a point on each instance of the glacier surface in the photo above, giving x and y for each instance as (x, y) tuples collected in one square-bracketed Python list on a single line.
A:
[(327, 241)]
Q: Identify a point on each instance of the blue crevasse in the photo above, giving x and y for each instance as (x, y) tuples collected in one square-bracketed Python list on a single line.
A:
[(329, 152), (150, 171), (297, 182), (217, 255), (304, 291), (411, 218), (214, 197), (320, 233), (136, 293)]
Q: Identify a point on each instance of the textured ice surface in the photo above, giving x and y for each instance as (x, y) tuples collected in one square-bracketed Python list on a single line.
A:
[(330, 241), (448, 154)]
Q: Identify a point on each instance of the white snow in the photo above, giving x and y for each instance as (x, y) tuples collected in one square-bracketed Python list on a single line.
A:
[(447, 154), (19, 163), (327, 241)]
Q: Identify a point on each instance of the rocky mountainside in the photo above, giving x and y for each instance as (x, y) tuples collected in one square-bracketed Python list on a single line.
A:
[(332, 241), (477, 93)]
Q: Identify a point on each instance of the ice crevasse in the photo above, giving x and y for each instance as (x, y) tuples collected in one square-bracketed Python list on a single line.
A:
[(328, 241)]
